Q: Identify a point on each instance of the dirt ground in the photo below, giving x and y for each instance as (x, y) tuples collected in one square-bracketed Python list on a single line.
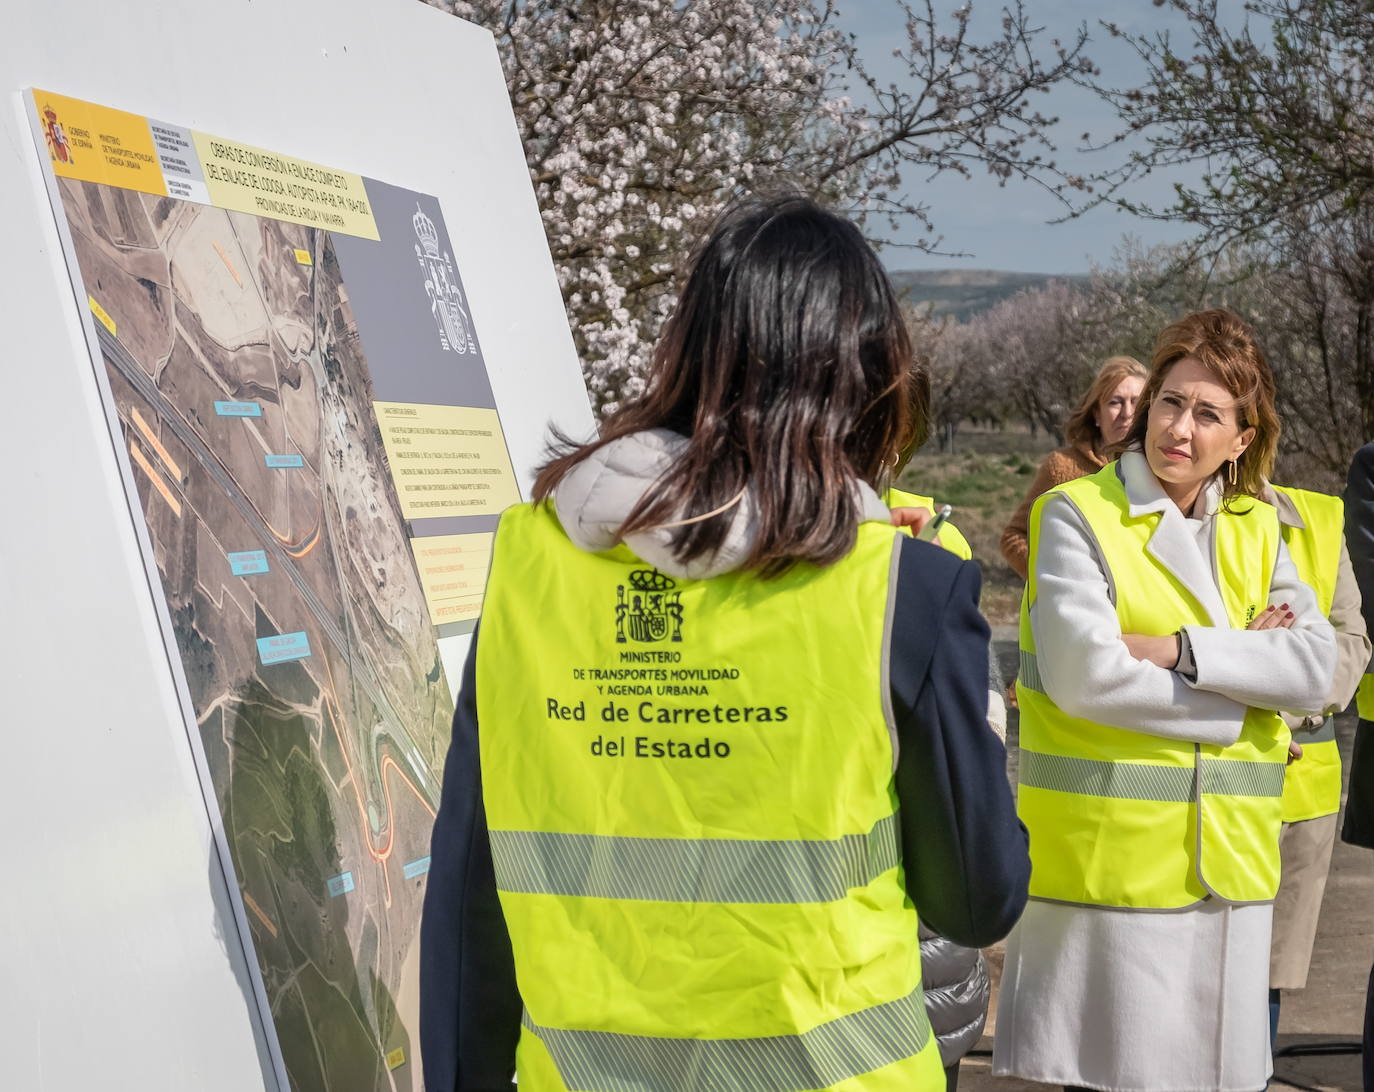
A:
[(1315, 1022)]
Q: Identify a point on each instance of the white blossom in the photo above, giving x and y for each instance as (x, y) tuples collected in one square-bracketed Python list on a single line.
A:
[(642, 118)]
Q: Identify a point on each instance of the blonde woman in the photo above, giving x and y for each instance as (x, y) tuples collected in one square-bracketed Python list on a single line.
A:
[(1102, 418), (1163, 623)]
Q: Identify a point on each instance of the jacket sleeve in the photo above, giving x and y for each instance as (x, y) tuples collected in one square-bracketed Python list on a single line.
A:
[(1016, 534), (1352, 636), (1358, 828), (469, 1004), (1271, 668), (1083, 662), (963, 849), (1359, 527)]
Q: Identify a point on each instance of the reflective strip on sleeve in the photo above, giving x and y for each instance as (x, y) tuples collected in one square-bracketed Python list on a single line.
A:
[(603, 1061), (692, 869), (1231, 777), (1117, 780)]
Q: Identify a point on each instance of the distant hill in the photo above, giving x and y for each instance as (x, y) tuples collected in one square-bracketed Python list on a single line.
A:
[(963, 293)]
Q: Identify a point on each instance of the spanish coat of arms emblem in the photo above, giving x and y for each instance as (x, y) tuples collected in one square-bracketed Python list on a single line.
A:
[(649, 610)]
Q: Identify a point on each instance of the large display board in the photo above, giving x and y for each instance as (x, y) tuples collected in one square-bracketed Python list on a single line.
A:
[(294, 378)]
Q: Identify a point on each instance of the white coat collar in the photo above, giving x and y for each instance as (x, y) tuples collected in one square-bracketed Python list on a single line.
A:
[(1173, 543)]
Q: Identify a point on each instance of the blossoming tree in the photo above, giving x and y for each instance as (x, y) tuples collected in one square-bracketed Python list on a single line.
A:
[(641, 118)]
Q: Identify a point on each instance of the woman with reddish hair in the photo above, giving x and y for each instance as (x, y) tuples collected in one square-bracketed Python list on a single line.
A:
[(1162, 626), (1101, 419)]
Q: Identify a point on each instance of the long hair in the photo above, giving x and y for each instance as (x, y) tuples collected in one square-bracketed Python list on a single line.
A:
[(1225, 345), (789, 370), (1081, 428)]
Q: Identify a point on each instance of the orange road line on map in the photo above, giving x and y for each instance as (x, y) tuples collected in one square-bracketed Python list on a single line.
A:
[(383, 855), (353, 780), (252, 905), (153, 476), (156, 444), (311, 540), (228, 264)]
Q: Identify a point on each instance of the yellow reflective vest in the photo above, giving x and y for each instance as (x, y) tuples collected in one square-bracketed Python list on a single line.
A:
[(950, 536), (1313, 785), (1364, 698), (693, 821), (1126, 819)]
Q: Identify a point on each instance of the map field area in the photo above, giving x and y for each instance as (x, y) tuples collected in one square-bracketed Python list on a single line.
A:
[(247, 361)]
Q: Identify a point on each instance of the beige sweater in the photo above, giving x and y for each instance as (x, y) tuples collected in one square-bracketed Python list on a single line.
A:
[(1059, 467)]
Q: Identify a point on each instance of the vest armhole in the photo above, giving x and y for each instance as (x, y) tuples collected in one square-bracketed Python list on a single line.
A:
[(885, 667)]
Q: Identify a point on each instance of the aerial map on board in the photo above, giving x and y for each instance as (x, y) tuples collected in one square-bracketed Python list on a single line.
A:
[(312, 444)]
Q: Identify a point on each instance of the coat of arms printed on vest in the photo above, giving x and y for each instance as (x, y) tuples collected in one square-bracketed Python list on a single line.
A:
[(649, 610)]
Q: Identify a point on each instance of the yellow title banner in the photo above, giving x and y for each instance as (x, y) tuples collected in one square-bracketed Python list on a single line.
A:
[(92, 143), (247, 179)]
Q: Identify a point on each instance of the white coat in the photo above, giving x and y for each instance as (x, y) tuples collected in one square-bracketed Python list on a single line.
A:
[(1152, 1001)]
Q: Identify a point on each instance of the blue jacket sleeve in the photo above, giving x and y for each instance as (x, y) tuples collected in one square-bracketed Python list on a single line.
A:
[(964, 851), (469, 1004), (1358, 828), (1359, 527)]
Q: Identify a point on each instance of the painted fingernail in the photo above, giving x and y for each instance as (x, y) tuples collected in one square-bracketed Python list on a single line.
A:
[(1289, 614), (1283, 606)]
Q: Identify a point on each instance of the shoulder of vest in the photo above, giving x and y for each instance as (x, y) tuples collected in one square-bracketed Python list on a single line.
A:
[(528, 516), (900, 498), (1104, 485), (1250, 506), (1311, 499)]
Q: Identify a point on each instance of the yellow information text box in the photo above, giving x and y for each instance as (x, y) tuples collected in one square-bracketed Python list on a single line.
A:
[(447, 460), (93, 143), (453, 573), (242, 178)]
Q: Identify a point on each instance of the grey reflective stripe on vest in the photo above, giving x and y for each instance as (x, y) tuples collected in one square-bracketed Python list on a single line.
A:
[(1232, 777), (605, 1061), (1029, 674), (1117, 780), (692, 869), (1142, 781)]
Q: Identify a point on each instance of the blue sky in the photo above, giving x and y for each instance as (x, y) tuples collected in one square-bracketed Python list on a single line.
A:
[(1006, 227)]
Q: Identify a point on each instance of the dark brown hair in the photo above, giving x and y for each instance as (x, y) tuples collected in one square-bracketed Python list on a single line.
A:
[(1081, 427), (789, 370), (1225, 345)]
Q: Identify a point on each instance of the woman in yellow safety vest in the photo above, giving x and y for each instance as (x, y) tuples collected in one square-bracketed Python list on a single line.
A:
[(722, 733), (1313, 525), (1162, 625)]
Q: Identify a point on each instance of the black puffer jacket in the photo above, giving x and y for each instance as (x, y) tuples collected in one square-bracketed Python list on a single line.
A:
[(956, 984)]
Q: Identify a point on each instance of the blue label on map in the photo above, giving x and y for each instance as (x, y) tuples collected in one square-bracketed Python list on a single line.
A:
[(279, 461), (416, 868), (340, 885), (248, 562), (283, 647), (238, 409)]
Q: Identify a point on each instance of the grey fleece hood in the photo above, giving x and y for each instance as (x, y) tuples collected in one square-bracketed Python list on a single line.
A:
[(593, 500)]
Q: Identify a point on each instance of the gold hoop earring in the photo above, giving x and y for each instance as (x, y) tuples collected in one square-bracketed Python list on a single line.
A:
[(1232, 472)]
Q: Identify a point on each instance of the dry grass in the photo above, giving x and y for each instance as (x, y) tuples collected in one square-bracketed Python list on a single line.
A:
[(984, 479)]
